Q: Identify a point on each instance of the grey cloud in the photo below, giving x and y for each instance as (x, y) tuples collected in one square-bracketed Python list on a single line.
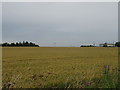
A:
[(65, 23)]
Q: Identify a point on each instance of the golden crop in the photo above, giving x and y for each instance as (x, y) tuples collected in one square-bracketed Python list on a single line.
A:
[(50, 66)]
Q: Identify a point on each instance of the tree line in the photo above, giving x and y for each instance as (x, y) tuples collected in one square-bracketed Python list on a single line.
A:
[(87, 46), (30, 44), (20, 44), (117, 44)]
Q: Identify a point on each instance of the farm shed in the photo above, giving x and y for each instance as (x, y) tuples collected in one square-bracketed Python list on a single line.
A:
[(107, 45)]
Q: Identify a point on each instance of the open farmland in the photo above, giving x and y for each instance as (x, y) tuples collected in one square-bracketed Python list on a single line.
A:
[(43, 67)]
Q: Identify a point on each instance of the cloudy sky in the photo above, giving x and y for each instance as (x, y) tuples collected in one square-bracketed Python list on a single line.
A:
[(67, 24)]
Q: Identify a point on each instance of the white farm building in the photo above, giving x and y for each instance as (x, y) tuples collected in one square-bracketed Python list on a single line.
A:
[(107, 44)]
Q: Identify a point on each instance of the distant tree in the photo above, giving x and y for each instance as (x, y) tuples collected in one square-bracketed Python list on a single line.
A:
[(117, 44), (105, 45), (91, 46), (20, 44), (26, 43), (17, 44), (5, 44), (12, 44)]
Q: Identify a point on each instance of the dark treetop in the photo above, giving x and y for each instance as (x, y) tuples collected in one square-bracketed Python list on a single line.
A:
[(20, 44)]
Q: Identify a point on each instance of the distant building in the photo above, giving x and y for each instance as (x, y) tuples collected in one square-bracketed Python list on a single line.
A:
[(107, 45), (111, 45)]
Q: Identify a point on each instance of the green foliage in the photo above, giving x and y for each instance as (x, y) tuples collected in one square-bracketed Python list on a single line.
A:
[(105, 45), (23, 44), (117, 44)]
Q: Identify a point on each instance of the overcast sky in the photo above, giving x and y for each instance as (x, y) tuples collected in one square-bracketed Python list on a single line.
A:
[(67, 24)]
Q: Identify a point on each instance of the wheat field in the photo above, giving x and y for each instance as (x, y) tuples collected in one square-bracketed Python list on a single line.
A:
[(57, 67)]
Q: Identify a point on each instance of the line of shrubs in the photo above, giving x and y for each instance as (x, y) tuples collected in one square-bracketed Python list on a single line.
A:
[(87, 46), (117, 44), (20, 44)]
